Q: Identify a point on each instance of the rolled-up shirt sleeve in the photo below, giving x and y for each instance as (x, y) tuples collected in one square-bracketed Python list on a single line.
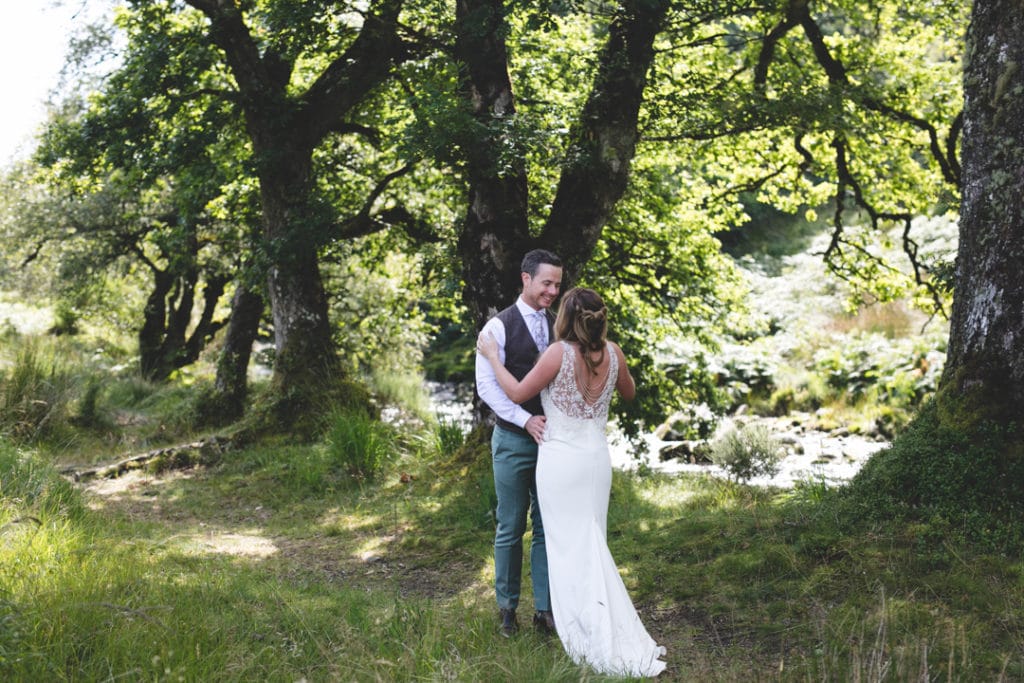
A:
[(487, 384)]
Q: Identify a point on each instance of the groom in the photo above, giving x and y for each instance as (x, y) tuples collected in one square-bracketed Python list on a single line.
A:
[(523, 331)]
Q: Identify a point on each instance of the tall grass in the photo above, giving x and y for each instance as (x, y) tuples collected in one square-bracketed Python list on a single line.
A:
[(34, 392), (355, 445), (31, 487)]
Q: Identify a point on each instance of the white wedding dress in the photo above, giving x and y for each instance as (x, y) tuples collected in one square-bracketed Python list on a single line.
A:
[(594, 617)]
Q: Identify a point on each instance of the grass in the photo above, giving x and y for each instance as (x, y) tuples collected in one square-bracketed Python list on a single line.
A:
[(244, 571), (282, 562)]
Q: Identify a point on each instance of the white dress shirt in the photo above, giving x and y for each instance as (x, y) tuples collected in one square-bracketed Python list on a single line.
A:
[(487, 384)]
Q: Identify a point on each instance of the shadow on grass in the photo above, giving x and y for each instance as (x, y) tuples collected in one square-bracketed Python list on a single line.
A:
[(737, 582), (423, 529)]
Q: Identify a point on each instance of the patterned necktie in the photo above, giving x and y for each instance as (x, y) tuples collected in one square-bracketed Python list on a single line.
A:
[(539, 328)]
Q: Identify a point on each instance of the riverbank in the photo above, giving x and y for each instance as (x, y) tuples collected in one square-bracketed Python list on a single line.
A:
[(832, 456)]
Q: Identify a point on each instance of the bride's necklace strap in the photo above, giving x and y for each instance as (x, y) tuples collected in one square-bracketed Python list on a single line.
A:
[(586, 381)]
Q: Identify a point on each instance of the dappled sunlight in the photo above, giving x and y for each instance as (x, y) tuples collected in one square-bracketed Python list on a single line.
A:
[(372, 549), (335, 521), (665, 495), (132, 485), (232, 543), (138, 489)]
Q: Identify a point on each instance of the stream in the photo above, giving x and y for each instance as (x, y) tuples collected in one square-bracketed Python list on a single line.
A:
[(833, 457)]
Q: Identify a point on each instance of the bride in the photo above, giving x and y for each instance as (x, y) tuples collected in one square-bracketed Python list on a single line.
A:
[(594, 617)]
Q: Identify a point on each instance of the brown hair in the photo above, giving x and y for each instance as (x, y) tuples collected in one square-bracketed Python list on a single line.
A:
[(533, 259), (583, 318)]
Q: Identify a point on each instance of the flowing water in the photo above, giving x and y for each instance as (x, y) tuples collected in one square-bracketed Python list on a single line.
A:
[(834, 457)]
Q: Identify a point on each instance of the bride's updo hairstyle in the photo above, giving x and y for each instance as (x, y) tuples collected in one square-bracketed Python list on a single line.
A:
[(583, 318)]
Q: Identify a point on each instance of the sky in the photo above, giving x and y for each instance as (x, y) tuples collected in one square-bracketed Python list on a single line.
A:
[(33, 42)]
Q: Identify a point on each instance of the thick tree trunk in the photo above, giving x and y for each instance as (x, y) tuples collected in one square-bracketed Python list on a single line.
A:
[(495, 234), (231, 385), (986, 344), (962, 458), (305, 354), (605, 137), (284, 130)]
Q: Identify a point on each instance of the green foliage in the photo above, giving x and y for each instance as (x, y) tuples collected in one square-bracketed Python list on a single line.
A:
[(380, 328), (747, 452), (869, 360), (768, 233), (669, 287), (451, 355), (806, 131), (30, 485), (355, 446)]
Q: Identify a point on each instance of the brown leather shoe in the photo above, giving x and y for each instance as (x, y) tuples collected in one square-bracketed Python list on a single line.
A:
[(508, 627), (544, 622)]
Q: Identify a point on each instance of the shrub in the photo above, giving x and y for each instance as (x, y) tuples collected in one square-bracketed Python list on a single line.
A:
[(747, 452)]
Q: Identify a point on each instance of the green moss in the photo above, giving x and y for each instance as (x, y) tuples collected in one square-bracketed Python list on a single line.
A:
[(973, 396), (955, 465), (301, 411)]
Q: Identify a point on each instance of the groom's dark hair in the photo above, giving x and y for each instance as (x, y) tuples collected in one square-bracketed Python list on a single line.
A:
[(535, 258)]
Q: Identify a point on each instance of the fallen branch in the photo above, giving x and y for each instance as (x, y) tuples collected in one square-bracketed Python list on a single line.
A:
[(182, 456)]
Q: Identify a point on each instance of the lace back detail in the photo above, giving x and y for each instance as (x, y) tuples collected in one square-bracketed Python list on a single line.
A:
[(565, 394)]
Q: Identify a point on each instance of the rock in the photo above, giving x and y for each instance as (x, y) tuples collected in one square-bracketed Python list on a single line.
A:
[(685, 451)]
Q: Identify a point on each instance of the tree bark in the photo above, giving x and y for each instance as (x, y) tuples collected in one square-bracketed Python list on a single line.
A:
[(304, 348), (284, 130), (495, 234), (604, 141), (231, 384), (986, 342), (154, 323)]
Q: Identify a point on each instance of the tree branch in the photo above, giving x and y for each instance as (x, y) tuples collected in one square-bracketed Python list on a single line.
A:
[(604, 140), (363, 66), (229, 32), (366, 223)]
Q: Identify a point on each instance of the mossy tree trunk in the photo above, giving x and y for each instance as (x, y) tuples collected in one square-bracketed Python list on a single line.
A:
[(602, 145), (986, 343), (495, 233), (231, 386), (962, 458), (284, 129)]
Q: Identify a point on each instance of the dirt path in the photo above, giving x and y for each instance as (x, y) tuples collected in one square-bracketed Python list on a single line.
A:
[(367, 557)]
